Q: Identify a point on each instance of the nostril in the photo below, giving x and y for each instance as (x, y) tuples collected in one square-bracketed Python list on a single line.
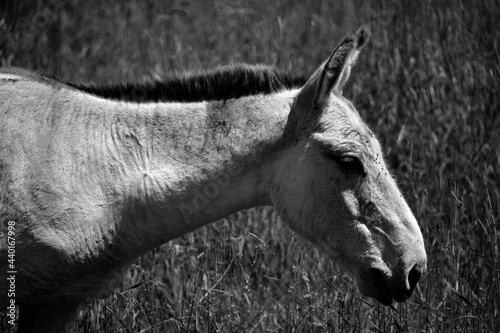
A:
[(414, 277)]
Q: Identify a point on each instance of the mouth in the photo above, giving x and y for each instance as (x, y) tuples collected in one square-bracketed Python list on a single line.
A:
[(383, 293), (374, 283), (385, 288)]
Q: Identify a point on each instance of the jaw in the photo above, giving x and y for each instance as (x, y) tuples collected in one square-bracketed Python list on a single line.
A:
[(371, 282), (374, 278)]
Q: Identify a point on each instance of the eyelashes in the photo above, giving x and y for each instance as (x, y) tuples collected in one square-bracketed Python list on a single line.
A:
[(347, 163)]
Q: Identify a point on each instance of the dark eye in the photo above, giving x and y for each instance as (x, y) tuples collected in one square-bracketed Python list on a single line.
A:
[(350, 164)]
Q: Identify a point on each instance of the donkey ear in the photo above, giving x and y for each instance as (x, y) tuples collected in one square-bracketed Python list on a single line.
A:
[(332, 75), (347, 63)]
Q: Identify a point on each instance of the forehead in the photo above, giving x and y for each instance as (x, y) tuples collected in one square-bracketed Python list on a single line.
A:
[(341, 122)]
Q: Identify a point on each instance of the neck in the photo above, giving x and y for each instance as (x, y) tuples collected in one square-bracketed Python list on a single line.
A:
[(196, 163)]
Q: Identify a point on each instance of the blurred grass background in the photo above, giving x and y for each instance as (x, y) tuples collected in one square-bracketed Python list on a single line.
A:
[(428, 84)]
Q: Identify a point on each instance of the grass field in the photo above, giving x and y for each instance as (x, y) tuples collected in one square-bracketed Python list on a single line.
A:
[(428, 84)]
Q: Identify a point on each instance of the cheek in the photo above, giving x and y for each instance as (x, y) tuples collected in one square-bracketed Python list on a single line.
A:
[(300, 206), (315, 199), (299, 200), (321, 208), (288, 194), (350, 244), (351, 203)]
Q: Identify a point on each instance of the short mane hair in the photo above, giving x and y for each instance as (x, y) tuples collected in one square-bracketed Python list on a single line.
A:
[(222, 83)]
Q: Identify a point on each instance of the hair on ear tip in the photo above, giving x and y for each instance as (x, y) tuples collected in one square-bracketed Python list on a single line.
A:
[(362, 36)]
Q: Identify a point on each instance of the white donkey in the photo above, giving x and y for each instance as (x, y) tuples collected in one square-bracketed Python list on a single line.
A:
[(93, 177)]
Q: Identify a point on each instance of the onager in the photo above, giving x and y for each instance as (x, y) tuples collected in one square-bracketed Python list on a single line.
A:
[(92, 177)]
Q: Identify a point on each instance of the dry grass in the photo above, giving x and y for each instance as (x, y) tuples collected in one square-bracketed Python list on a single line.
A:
[(427, 83)]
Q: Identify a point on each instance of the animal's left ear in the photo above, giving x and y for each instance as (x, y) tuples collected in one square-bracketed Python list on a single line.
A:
[(338, 68), (330, 77)]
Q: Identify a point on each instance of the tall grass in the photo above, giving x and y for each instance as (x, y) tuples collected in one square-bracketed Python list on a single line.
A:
[(427, 84)]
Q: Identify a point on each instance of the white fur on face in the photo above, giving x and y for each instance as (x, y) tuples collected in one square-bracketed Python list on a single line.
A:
[(362, 221)]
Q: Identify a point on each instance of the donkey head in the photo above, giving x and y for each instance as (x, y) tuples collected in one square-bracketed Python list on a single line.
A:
[(332, 186)]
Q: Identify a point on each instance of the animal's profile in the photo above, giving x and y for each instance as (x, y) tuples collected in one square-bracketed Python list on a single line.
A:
[(93, 177)]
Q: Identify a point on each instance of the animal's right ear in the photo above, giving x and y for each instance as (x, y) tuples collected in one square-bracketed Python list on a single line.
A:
[(330, 78)]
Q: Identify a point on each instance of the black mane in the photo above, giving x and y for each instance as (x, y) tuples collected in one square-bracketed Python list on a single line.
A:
[(219, 84)]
